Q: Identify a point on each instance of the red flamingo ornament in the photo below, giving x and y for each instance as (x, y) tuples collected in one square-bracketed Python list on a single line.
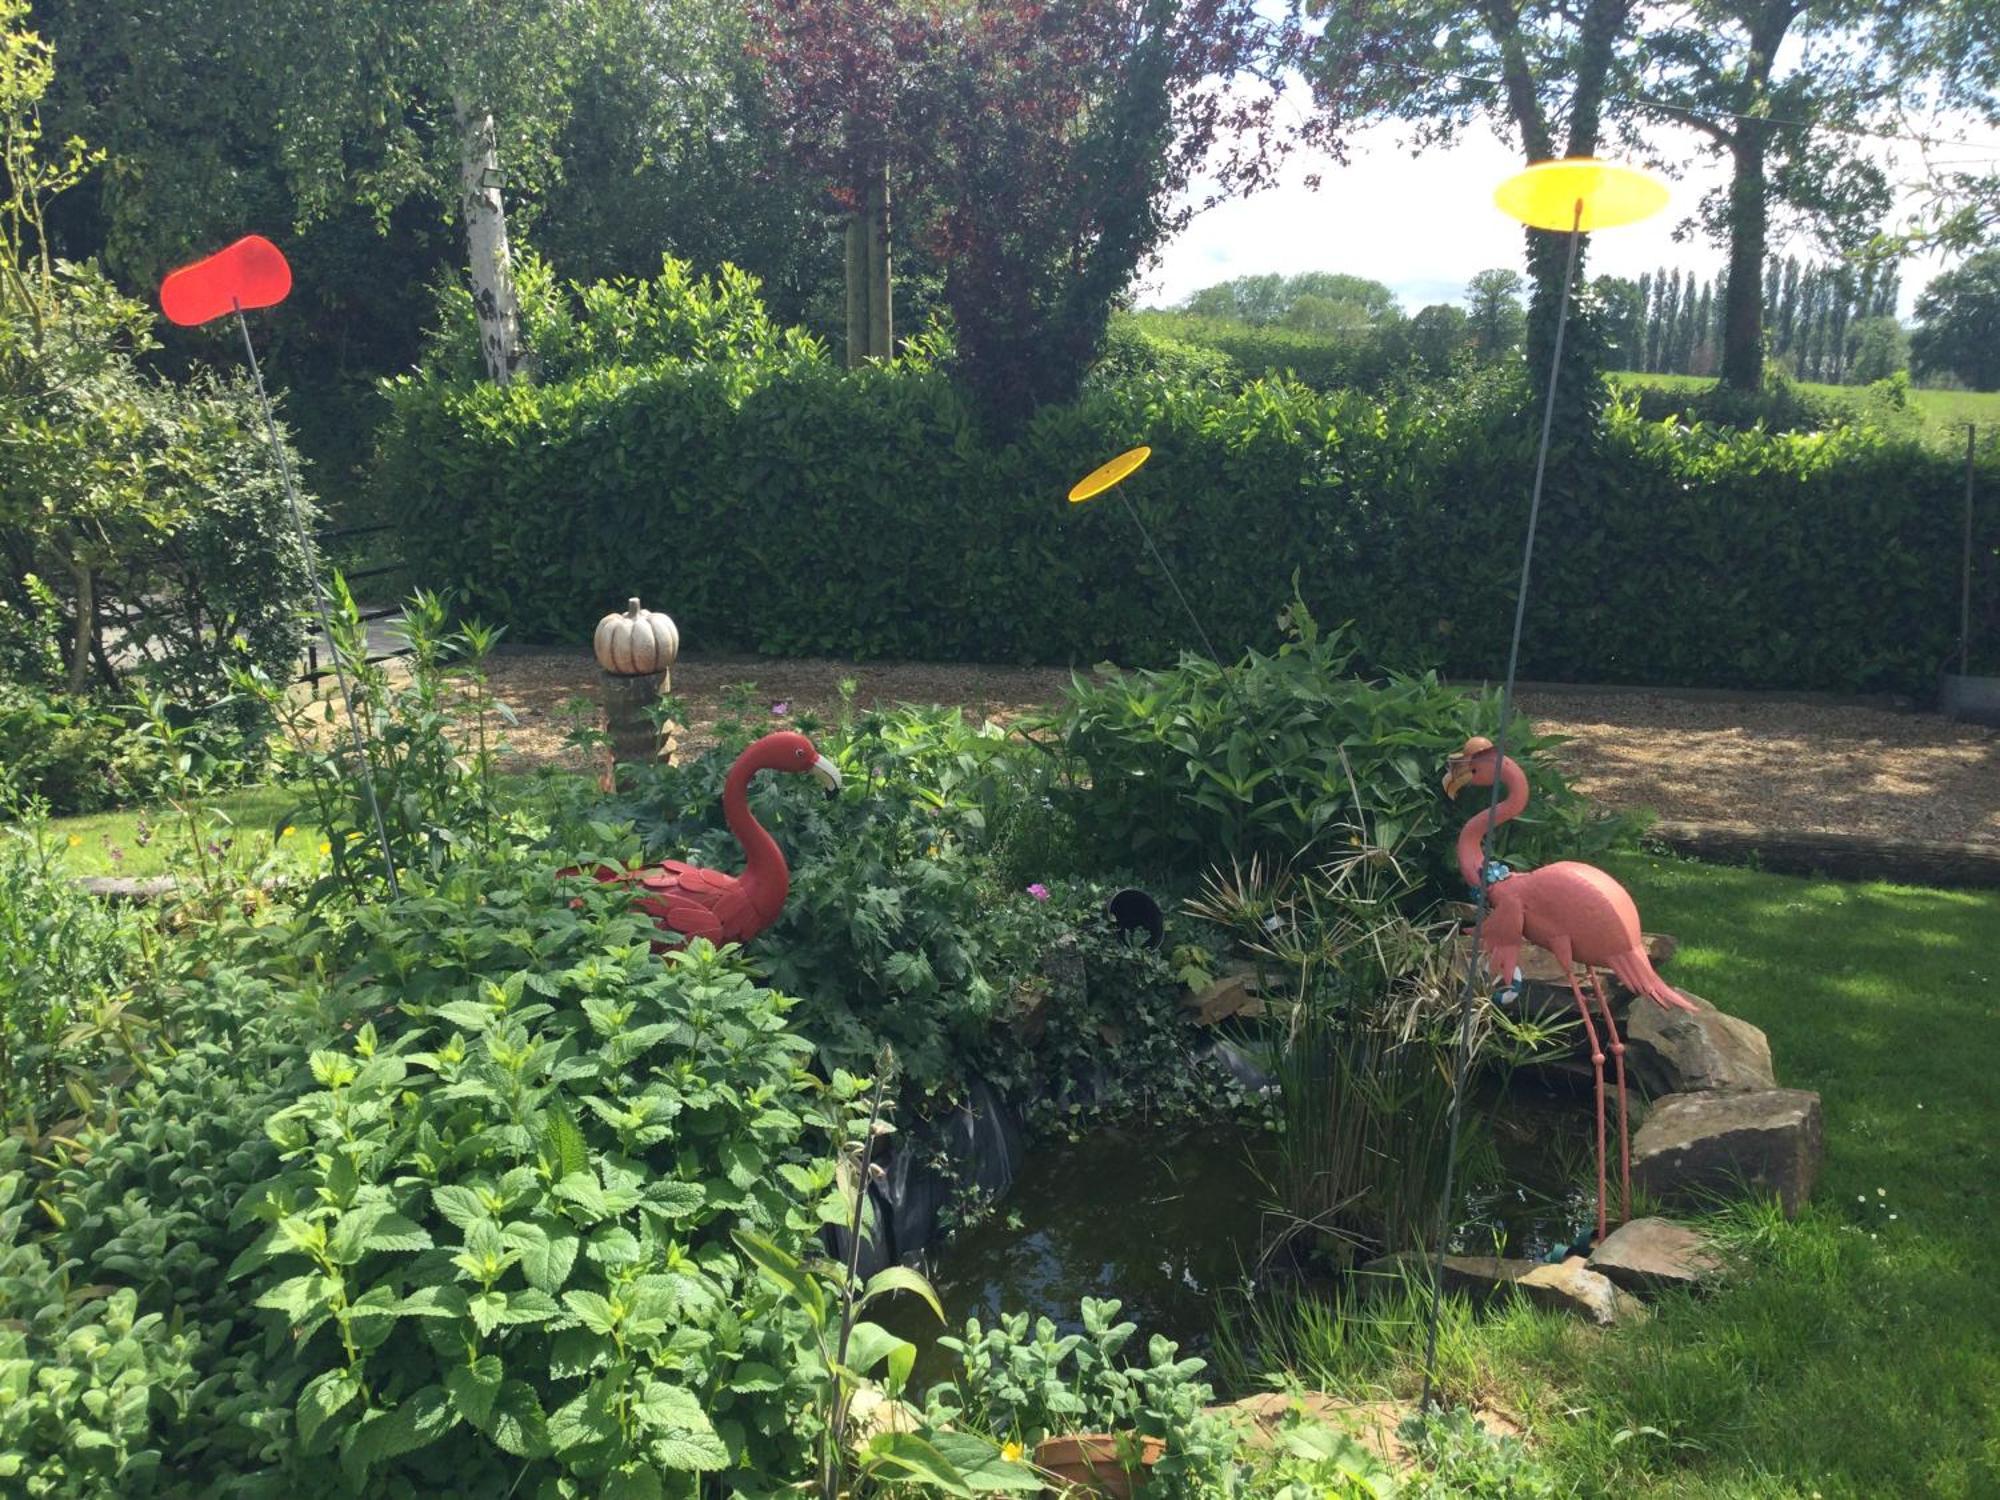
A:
[(687, 901), (1575, 911)]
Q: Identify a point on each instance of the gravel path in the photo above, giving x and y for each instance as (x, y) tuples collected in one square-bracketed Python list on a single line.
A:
[(1760, 764)]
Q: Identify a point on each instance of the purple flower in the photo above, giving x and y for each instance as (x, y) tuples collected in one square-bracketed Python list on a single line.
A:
[(1039, 891), (780, 709)]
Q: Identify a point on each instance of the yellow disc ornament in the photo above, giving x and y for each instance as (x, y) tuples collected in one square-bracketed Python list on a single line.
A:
[(1580, 193), (1100, 479)]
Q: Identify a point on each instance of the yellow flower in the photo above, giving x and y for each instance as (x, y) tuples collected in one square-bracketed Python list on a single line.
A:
[(1011, 1452), (353, 834), (325, 847), (75, 839), (288, 831)]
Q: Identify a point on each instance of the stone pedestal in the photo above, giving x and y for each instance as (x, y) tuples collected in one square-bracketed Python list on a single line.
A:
[(628, 704)]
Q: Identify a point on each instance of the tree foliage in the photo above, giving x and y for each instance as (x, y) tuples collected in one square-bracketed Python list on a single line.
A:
[(1958, 323), (1043, 152)]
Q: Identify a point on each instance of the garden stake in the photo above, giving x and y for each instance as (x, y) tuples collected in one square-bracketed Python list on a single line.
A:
[(1560, 196), (1965, 564), (1109, 476), (253, 272)]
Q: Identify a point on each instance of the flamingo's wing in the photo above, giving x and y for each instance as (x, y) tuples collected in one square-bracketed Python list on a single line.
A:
[(683, 898)]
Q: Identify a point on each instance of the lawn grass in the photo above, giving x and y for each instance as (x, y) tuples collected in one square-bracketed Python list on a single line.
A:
[(1857, 1353), (142, 841), (1944, 413), (147, 841)]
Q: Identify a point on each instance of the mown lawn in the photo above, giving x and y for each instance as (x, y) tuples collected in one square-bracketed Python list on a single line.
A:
[(1945, 413), (1858, 1354)]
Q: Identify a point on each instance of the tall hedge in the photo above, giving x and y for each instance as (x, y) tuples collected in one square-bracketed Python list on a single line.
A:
[(789, 507)]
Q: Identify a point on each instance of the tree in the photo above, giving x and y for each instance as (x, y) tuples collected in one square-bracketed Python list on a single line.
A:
[(1493, 300), (1276, 299), (1429, 63), (1880, 348), (1439, 334), (1054, 148), (1958, 324), (1622, 307), (1786, 90)]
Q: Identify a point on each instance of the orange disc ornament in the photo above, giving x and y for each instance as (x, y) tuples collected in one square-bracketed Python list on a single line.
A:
[(1580, 193)]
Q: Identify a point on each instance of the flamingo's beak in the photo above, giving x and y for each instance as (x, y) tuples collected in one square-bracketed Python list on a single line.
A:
[(1457, 774), (826, 773)]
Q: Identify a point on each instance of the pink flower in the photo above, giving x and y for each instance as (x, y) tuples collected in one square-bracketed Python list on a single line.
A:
[(1039, 891), (780, 709)]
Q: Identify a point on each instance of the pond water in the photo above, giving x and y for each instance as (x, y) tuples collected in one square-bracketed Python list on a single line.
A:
[(1168, 1220)]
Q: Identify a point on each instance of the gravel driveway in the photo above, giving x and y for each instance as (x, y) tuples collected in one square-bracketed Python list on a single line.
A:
[(1766, 764)]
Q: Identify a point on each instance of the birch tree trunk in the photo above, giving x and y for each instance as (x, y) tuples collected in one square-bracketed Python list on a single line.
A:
[(86, 628), (493, 298)]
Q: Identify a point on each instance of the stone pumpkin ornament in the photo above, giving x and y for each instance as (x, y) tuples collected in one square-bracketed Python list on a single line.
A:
[(637, 643)]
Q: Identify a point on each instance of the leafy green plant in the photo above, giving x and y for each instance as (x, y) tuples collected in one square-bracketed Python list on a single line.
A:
[(501, 1235), (850, 1349), (1284, 756), (1027, 1382)]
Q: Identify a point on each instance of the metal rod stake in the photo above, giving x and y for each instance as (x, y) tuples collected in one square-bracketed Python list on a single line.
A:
[(321, 602), (1466, 1008)]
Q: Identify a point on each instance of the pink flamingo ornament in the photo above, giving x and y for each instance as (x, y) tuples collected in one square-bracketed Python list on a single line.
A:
[(1576, 911), (687, 901)]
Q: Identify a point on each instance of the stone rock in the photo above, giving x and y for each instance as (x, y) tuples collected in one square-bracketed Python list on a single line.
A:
[(1571, 1287), (1479, 1277), (1235, 992), (1688, 1052), (1694, 1148), (1568, 1288), (1649, 1256), (1544, 990)]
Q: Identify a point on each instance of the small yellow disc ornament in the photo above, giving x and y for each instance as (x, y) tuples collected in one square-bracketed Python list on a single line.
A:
[(1100, 479), (1580, 193)]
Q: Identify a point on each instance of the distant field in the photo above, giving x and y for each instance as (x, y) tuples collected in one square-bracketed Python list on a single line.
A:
[(1941, 410)]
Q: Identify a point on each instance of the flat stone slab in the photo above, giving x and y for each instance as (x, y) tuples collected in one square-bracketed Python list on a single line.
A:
[(1572, 1287), (1649, 1256), (1569, 1287), (1688, 1052), (1695, 1148)]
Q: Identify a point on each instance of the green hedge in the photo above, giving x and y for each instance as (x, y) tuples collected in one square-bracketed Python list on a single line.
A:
[(789, 507)]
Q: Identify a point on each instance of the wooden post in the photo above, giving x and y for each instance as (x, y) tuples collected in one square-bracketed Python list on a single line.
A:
[(628, 702), (881, 321), (1965, 576)]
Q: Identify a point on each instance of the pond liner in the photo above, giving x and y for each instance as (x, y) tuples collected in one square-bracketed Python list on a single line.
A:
[(976, 1149)]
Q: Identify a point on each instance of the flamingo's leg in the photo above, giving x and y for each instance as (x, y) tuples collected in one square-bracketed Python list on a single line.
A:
[(1597, 1064), (1617, 1044)]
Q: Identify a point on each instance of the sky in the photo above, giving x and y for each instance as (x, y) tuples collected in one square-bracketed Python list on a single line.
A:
[(1425, 225)]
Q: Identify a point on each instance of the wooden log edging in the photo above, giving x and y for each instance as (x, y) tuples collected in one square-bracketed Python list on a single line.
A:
[(1848, 856)]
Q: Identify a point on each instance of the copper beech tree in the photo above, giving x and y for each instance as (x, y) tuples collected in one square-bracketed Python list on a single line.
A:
[(1043, 151)]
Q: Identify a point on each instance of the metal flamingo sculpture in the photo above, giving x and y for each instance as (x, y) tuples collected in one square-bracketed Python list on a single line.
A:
[(1577, 912), (688, 901)]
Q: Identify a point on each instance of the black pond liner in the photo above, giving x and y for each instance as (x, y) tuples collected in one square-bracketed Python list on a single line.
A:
[(1134, 913)]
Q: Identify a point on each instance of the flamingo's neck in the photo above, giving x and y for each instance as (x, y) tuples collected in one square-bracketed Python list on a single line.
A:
[(1472, 837), (765, 878)]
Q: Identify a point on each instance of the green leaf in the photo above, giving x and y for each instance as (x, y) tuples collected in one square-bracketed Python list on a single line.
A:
[(983, 1466), (473, 1387), (420, 1421), (592, 1310), (460, 1205), (785, 1271), (869, 1344), (678, 1431), (324, 1395), (518, 1424), (301, 1296), (585, 1421), (548, 1252), (632, 1482), (911, 1456), (563, 1143), (900, 1279)]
